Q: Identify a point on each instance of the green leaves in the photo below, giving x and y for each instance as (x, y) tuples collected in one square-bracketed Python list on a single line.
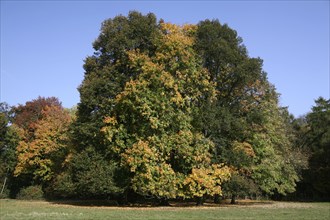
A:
[(245, 121), (108, 71), (168, 111), (317, 141), (169, 103)]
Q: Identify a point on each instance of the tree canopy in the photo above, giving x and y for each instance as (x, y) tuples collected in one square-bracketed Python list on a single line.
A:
[(166, 111), (169, 103), (316, 140), (42, 125)]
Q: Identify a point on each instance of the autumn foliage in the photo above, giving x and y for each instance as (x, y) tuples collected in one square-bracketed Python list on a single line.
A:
[(150, 128), (166, 111), (43, 142)]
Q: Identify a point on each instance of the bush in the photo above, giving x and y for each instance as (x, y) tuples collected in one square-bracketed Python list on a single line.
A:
[(4, 194), (61, 187), (31, 193)]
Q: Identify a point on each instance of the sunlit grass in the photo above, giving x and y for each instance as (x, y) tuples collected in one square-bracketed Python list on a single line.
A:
[(15, 209)]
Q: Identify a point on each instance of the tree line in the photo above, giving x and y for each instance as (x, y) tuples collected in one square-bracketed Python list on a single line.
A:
[(167, 112)]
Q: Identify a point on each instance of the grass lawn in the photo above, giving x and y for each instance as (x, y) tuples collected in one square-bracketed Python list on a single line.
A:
[(17, 209)]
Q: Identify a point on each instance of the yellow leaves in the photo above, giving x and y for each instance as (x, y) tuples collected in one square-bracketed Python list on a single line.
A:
[(114, 132), (221, 173), (152, 175), (132, 88), (244, 147), (208, 181), (110, 129), (172, 76), (138, 155), (167, 79), (177, 98), (154, 122), (175, 34), (189, 29), (169, 28), (160, 181)]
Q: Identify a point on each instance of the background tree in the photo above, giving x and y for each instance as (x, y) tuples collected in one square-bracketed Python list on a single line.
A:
[(42, 125), (26, 116), (316, 180), (8, 142), (276, 169)]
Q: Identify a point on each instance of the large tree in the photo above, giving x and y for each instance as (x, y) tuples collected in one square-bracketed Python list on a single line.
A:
[(140, 87), (167, 104)]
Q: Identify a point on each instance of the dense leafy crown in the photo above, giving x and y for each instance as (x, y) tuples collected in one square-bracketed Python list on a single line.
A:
[(171, 104), (166, 111)]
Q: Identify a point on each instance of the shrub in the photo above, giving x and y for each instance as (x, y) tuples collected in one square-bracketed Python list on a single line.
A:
[(31, 193), (4, 194)]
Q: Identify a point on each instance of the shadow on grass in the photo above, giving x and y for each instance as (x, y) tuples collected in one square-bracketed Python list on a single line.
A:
[(144, 204)]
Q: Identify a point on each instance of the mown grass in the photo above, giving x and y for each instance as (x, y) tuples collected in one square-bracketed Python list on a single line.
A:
[(16, 209)]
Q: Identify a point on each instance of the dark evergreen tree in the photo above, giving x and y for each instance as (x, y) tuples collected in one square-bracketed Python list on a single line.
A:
[(317, 176)]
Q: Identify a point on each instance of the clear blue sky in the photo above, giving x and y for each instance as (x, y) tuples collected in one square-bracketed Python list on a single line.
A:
[(44, 43)]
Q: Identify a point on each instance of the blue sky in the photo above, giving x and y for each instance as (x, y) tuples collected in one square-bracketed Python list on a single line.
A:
[(44, 43)]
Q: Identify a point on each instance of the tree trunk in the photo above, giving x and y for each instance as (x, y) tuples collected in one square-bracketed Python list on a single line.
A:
[(164, 202), (233, 199), (124, 199), (217, 199), (200, 201), (4, 185)]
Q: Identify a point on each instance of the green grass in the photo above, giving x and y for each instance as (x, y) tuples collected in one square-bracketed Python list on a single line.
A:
[(15, 209)]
